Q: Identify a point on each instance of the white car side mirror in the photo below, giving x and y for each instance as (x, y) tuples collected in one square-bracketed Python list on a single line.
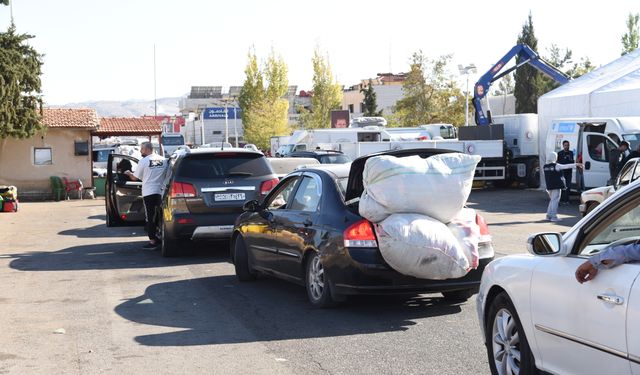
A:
[(547, 243)]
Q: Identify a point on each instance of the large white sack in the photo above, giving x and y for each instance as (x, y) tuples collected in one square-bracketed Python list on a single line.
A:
[(438, 186), (419, 246)]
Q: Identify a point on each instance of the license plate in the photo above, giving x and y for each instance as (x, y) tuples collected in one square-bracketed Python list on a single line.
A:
[(229, 197)]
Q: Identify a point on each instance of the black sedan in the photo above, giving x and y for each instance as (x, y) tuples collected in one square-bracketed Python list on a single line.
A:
[(308, 231)]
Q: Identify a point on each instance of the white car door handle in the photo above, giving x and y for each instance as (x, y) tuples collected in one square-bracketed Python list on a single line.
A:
[(614, 300)]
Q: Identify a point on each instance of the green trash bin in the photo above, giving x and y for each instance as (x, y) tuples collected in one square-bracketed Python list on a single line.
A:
[(99, 183)]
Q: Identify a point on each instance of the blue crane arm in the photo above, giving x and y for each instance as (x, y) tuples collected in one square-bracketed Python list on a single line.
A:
[(526, 56)]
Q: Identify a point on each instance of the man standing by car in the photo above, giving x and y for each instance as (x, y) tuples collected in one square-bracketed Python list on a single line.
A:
[(554, 182), (151, 171), (616, 156), (565, 156)]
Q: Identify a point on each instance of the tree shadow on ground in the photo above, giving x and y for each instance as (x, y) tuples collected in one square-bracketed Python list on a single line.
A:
[(220, 310), (114, 256)]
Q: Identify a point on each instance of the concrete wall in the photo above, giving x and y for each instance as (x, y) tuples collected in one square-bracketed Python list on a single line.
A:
[(17, 162)]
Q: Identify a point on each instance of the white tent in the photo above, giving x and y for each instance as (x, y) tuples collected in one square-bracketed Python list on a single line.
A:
[(612, 90)]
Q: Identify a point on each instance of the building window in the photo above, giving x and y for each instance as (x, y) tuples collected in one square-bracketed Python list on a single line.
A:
[(350, 108), (362, 108), (42, 156), (81, 148)]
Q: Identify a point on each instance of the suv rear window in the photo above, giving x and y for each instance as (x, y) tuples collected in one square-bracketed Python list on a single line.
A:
[(224, 165)]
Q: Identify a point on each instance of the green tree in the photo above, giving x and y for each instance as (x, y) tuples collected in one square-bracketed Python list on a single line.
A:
[(561, 59), (264, 110), (580, 68), (370, 100), (20, 99), (528, 81), (327, 95), (431, 94), (631, 38), (558, 58), (505, 85)]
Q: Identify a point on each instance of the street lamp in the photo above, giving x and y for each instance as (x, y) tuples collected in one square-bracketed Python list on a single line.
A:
[(226, 101), (466, 70)]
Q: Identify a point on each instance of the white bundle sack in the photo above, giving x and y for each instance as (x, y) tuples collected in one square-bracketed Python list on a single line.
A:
[(419, 246), (437, 186)]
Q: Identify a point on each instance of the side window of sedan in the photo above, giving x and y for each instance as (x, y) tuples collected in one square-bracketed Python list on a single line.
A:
[(636, 172), (625, 226), (281, 197), (307, 197), (625, 174)]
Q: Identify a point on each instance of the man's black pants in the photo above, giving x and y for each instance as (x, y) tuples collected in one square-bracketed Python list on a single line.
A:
[(152, 208)]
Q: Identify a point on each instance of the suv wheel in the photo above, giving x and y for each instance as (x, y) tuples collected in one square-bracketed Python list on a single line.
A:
[(169, 248), (317, 283), (241, 261), (507, 346)]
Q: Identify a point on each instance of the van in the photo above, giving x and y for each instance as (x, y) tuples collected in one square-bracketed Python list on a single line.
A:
[(172, 142), (591, 140)]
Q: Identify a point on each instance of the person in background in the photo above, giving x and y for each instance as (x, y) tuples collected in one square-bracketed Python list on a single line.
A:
[(633, 154), (616, 156), (121, 171), (151, 171), (555, 183), (565, 156)]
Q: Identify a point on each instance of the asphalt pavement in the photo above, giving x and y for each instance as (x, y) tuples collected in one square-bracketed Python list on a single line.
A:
[(81, 298)]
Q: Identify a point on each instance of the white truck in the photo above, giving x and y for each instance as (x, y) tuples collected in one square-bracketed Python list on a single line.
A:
[(356, 142), (277, 142), (520, 135), (591, 140)]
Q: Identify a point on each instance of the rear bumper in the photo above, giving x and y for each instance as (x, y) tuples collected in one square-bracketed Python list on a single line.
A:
[(380, 279), (201, 226)]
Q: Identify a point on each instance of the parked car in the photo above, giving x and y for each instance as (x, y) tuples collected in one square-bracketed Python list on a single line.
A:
[(171, 142), (323, 156), (591, 198), (205, 192), (536, 316), (284, 166), (252, 147), (308, 230)]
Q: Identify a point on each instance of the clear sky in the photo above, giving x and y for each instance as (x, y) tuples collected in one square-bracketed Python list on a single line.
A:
[(103, 50)]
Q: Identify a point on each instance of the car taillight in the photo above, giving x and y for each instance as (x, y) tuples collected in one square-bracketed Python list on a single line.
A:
[(182, 190), (482, 224), (360, 234), (266, 186)]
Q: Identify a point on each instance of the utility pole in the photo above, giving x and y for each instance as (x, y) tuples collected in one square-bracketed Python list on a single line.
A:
[(466, 70)]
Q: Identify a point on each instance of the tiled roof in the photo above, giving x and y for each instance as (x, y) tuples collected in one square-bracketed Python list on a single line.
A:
[(70, 118), (128, 125)]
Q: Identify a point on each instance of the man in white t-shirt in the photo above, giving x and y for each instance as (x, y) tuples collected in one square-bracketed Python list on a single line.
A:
[(151, 171)]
